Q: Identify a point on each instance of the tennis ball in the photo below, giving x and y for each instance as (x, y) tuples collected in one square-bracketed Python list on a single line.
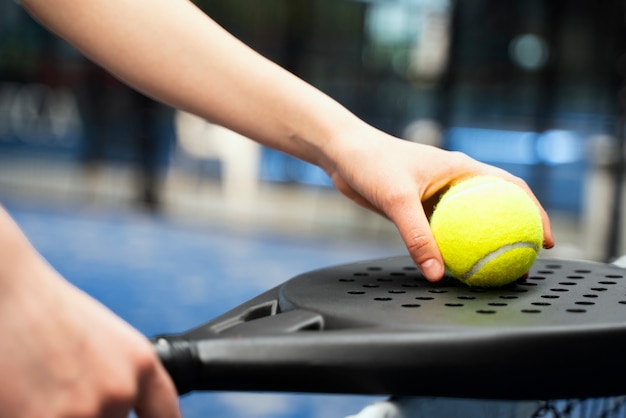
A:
[(488, 230)]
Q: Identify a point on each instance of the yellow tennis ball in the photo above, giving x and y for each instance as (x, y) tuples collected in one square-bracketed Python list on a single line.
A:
[(488, 230)]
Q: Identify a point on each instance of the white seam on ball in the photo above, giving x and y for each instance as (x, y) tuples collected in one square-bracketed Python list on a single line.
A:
[(497, 253)]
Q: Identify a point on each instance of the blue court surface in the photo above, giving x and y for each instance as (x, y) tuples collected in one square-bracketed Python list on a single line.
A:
[(163, 276)]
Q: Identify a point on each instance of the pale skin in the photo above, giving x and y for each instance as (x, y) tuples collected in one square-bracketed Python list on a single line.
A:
[(64, 354)]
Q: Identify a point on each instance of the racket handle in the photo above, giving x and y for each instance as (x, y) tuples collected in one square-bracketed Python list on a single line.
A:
[(178, 356)]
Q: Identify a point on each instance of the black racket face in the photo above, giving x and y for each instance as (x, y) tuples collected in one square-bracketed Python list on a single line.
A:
[(378, 327), (392, 293)]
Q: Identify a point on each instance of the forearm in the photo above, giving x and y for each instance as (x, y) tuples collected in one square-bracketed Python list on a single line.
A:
[(172, 51)]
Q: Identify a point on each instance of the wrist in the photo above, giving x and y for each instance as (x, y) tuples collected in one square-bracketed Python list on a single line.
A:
[(21, 266)]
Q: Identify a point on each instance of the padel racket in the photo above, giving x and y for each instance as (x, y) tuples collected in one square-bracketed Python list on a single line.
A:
[(379, 327)]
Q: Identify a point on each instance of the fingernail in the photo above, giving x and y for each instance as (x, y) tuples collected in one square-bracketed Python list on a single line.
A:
[(432, 269)]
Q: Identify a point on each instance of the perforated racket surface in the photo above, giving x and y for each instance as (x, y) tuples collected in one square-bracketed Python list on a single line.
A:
[(378, 327)]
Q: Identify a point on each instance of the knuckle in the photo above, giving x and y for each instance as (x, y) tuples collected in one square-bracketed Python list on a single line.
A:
[(419, 243), (395, 199)]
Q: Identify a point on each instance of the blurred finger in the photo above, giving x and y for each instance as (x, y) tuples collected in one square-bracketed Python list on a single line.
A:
[(157, 396)]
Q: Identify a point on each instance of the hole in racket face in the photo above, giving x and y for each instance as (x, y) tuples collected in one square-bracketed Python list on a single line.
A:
[(393, 292), (461, 291)]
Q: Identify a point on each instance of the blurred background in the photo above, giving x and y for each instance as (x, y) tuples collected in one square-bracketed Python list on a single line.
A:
[(170, 220)]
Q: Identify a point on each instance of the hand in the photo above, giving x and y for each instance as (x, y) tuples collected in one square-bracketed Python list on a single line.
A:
[(402, 181), (66, 355), (390, 176)]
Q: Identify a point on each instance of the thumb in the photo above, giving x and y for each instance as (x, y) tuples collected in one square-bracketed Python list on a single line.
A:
[(415, 231)]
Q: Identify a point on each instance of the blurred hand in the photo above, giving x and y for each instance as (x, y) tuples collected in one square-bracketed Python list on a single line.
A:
[(402, 181), (66, 355)]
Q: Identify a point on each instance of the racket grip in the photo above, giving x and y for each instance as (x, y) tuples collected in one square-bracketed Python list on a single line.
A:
[(178, 356)]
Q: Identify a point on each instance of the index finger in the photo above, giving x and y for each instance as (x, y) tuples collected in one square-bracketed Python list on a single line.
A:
[(415, 231)]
